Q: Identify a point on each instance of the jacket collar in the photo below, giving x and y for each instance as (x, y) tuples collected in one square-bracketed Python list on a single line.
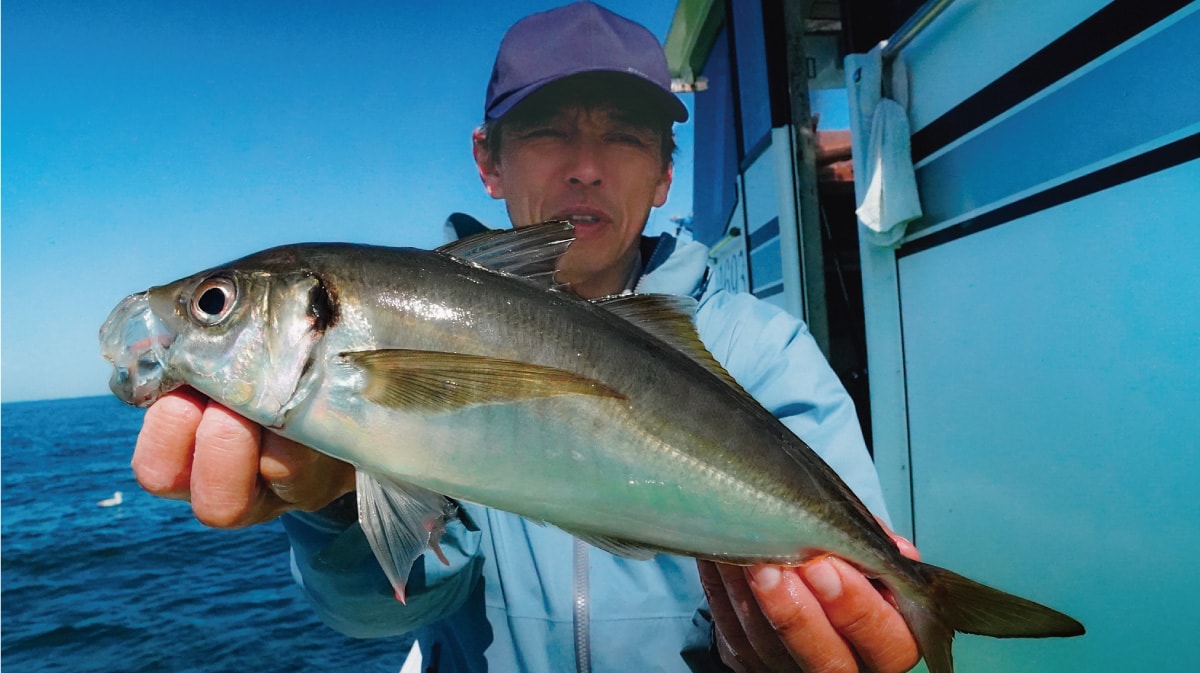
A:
[(673, 267)]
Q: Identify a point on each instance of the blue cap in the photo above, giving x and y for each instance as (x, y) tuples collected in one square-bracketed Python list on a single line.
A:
[(579, 38)]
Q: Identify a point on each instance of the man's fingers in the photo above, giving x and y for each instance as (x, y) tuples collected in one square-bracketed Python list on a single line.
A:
[(226, 490), (283, 464), (732, 643), (759, 631), (234, 473), (863, 617), (162, 457), (301, 476), (908, 549), (799, 619), (728, 654)]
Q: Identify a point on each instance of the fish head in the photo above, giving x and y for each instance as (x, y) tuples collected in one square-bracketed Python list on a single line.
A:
[(135, 341), (245, 336)]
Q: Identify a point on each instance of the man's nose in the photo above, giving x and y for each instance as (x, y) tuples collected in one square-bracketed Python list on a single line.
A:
[(586, 167)]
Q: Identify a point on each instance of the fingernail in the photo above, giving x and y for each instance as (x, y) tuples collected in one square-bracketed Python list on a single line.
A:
[(823, 579), (765, 578)]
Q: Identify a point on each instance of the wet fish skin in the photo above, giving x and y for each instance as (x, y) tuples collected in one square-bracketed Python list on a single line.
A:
[(501, 391)]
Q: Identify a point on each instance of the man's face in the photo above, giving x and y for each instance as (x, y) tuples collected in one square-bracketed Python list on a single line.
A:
[(592, 167)]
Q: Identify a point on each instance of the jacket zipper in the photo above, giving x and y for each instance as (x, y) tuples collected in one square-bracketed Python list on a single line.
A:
[(583, 646)]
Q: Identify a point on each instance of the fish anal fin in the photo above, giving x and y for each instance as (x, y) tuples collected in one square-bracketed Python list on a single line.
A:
[(434, 381), (617, 546), (934, 638), (400, 521), (670, 318)]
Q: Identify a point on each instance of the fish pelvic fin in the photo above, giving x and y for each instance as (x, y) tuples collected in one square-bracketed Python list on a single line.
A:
[(400, 521), (414, 380), (951, 602)]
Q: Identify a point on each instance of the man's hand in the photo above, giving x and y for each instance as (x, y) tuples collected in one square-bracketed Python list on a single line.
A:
[(820, 617), (234, 472)]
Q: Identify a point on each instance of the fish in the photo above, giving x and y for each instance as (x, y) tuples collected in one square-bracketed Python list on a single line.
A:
[(470, 373)]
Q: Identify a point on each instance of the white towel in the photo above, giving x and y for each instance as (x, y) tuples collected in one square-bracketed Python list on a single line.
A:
[(890, 201)]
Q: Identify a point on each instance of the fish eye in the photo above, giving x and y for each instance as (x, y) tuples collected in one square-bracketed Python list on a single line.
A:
[(213, 300)]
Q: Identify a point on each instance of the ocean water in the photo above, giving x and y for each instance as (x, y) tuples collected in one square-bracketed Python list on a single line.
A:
[(140, 586)]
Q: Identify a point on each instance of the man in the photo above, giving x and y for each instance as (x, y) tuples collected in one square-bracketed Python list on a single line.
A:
[(578, 122)]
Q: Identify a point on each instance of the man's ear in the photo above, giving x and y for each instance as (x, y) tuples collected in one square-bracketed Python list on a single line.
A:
[(664, 185), (489, 166)]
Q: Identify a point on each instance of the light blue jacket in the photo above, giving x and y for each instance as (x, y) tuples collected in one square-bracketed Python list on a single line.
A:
[(507, 601)]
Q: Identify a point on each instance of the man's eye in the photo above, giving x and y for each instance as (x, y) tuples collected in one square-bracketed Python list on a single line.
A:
[(545, 132), (628, 139)]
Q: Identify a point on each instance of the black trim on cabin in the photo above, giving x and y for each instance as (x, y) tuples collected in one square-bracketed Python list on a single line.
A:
[(1168, 156), (768, 231), (1106, 29), (734, 76), (771, 291), (754, 152), (774, 30)]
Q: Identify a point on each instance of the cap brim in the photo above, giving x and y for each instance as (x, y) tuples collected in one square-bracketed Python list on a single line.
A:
[(663, 98)]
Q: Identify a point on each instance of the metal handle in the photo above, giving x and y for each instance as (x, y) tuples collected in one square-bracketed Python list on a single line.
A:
[(911, 28)]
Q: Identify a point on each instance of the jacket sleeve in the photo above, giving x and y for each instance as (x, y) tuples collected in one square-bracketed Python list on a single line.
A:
[(335, 567), (773, 356)]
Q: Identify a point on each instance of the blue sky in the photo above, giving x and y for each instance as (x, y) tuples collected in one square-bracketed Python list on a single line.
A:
[(143, 141)]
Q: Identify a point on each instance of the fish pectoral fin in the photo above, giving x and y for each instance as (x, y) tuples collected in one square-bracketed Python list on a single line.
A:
[(416, 380), (400, 520), (617, 546)]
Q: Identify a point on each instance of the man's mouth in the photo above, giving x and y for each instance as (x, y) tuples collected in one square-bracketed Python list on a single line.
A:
[(583, 218)]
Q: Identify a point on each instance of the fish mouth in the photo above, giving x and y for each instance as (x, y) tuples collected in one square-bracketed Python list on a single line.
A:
[(136, 341)]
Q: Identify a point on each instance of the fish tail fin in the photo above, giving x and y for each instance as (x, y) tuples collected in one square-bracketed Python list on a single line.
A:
[(950, 602)]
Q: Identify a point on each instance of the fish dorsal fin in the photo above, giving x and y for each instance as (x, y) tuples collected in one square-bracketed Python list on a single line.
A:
[(414, 380), (669, 317), (529, 252), (399, 521)]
